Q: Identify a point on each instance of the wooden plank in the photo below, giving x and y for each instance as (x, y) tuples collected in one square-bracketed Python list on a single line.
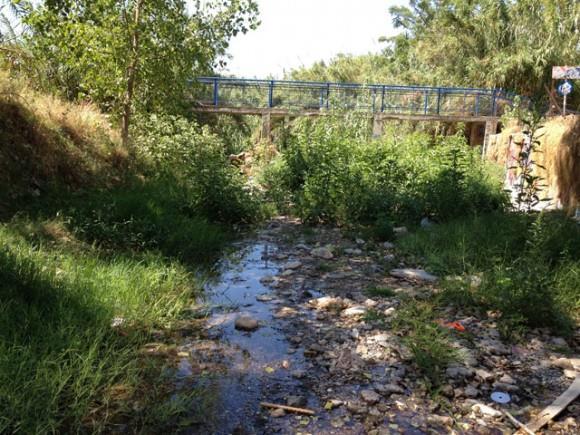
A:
[(555, 408)]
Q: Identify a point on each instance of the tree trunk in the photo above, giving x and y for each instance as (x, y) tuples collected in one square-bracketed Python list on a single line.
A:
[(131, 75)]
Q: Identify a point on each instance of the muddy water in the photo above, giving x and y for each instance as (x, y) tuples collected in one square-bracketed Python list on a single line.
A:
[(253, 366)]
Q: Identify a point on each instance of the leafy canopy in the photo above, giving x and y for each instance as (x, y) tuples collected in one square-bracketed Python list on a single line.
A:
[(86, 46)]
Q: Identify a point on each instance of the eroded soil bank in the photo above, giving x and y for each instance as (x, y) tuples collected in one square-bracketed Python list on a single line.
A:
[(324, 343)]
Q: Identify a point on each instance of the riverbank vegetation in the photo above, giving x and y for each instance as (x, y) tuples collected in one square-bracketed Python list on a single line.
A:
[(113, 194)]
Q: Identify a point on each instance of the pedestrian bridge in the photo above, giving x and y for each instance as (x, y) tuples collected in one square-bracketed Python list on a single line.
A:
[(284, 98)]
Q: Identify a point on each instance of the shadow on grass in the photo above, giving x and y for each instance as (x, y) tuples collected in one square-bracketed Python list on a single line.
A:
[(141, 216)]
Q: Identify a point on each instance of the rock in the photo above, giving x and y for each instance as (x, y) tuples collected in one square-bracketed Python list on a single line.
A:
[(494, 347), (267, 279), (359, 242), (246, 323), (427, 223), (355, 311), (328, 302), (563, 363), (485, 410), (322, 252), (292, 265), (507, 379), (302, 247), (447, 391), (413, 274), (264, 298), (400, 231), (458, 372), (501, 386), (471, 392), (389, 311), (349, 251), (570, 374), (389, 258), (370, 397), (299, 374), (276, 413), (559, 342), (296, 401), (389, 389), (483, 375), (356, 407), (388, 245)]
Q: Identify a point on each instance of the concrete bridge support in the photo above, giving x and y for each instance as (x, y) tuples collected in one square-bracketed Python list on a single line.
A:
[(266, 133), (377, 126), (490, 128)]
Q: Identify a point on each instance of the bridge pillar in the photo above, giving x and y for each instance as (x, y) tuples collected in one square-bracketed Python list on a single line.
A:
[(476, 133), (490, 128), (266, 127), (377, 126)]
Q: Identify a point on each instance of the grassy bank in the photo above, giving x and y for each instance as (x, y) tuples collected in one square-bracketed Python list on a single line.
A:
[(525, 267), (99, 252), (61, 361)]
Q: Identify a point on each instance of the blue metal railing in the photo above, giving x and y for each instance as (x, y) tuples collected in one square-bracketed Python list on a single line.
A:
[(396, 99)]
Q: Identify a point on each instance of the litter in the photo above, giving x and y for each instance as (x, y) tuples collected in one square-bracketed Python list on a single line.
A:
[(500, 397), (452, 325)]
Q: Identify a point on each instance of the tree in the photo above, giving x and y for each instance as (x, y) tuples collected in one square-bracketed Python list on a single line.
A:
[(129, 55), (492, 43)]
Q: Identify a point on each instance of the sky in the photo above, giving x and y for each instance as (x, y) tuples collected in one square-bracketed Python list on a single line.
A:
[(298, 33)]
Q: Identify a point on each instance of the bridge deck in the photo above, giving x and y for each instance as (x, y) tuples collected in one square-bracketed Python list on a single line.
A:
[(295, 98), (281, 113)]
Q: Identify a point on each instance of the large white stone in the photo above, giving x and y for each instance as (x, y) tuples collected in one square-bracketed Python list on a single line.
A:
[(413, 274)]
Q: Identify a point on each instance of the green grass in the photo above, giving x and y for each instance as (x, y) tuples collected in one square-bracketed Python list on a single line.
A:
[(60, 358), (427, 341), (68, 267), (141, 216), (529, 267), (383, 292)]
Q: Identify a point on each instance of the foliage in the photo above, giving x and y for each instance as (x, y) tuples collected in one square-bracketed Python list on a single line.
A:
[(529, 186), (332, 171), (137, 217), (483, 43), (426, 340), (137, 53), (63, 367), (527, 264), (174, 147)]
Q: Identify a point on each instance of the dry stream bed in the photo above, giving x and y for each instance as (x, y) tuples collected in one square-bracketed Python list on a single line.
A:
[(289, 321)]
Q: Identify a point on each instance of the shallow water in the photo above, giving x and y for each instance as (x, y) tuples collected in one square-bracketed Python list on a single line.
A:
[(258, 364)]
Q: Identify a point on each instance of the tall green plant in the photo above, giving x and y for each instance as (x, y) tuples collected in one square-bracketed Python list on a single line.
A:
[(530, 185)]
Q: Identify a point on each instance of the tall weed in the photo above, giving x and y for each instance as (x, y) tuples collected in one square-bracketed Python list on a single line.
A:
[(333, 171)]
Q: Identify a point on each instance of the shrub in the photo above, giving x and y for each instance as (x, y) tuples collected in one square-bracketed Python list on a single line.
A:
[(177, 148), (333, 172), (427, 341)]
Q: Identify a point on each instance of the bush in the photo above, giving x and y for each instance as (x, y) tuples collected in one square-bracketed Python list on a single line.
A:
[(529, 265), (333, 172), (427, 341), (177, 148), (150, 215)]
